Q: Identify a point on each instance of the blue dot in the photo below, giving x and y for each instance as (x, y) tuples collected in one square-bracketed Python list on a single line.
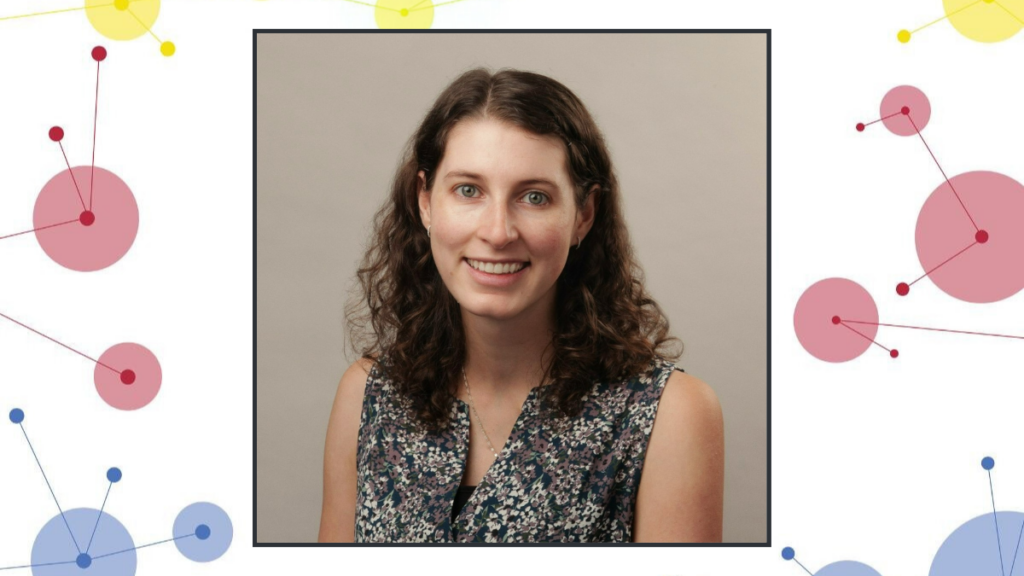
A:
[(202, 531), (988, 463), (83, 560), (114, 474), (17, 415), (788, 553)]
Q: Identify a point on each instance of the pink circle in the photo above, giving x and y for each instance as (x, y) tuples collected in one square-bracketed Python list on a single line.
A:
[(902, 97), (58, 218), (135, 391), (820, 334), (985, 272)]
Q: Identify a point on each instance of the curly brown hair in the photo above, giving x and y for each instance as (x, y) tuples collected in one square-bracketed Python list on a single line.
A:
[(607, 326)]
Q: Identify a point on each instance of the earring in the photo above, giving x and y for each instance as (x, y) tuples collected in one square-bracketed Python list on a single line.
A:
[(577, 241), (428, 231)]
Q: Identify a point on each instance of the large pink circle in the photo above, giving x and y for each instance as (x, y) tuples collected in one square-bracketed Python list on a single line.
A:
[(985, 272), (813, 320), (61, 227), (920, 110), (127, 376)]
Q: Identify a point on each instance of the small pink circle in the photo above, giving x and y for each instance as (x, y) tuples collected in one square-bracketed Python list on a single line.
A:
[(902, 288), (56, 133), (894, 353), (987, 271), (815, 320), (140, 366), (903, 108), (99, 53), (65, 233), (860, 127)]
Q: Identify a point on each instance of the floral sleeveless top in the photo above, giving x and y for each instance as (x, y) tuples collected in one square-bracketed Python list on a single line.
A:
[(576, 483)]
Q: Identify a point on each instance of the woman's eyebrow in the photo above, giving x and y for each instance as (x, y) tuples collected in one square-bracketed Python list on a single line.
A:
[(475, 176)]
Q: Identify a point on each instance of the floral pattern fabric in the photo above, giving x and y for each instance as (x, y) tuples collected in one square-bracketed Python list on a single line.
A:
[(573, 482)]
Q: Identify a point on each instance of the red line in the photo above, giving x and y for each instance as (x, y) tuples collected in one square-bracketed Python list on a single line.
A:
[(95, 115), (943, 173), (36, 229), (882, 118), (944, 263), (937, 329), (55, 341), (865, 337), (72, 175)]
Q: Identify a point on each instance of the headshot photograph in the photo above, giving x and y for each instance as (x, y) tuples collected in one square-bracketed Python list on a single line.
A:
[(511, 287)]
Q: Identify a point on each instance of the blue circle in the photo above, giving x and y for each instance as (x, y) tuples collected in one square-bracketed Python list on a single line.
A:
[(17, 415), (847, 568), (988, 463), (111, 549), (788, 553), (973, 549), (187, 532), (114, 474)]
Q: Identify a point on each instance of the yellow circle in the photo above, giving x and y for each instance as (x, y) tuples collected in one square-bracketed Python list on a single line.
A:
[(984, 21), (903, 36), (117, 24), (404, 13), (121, 4), (167, 48)]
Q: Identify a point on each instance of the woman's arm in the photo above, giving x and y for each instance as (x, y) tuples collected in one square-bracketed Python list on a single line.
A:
[(680, 494), (338, 516)]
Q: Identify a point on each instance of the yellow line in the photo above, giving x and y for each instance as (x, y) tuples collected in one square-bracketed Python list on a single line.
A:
[(1000, 4), (454, 1), (947, 16), (373, 5), (54, 12), (144, 26)]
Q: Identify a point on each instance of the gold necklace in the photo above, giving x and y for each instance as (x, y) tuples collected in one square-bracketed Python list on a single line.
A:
[(478, 419)]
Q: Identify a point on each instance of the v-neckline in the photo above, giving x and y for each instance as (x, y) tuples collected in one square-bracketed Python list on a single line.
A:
[(486, 481)]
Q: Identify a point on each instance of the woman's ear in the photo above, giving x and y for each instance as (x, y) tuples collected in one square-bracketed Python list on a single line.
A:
[(424, 198), (585, 217)]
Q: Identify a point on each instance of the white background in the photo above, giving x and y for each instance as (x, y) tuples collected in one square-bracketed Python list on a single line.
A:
[(873, 460)]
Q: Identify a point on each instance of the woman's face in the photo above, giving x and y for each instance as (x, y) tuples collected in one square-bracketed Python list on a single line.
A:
[(501, 193)]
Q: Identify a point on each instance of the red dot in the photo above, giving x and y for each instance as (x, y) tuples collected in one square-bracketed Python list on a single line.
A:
[(87, 218), (902, 288), (981, 236), (905, 110), (836, 320), (860, 127), (99, 53), (56, 133), (127, 377), (894, 353)]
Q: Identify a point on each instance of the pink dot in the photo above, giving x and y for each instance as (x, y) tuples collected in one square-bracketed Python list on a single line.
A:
[(894, 353), (93, 246), (977, 274), (814, 321), (860, 127), (902, 288), (87, 218), (99, 53), (895, 110), (145, 376), (836, 320), (56, 133)]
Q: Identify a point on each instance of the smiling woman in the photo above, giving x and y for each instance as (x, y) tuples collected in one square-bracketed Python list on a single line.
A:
[(512, 385)]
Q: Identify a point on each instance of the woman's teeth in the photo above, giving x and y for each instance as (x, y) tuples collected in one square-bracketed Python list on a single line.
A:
[(490, 268)]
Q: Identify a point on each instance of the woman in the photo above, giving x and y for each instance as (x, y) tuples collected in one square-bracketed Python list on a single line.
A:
[(508, 386)]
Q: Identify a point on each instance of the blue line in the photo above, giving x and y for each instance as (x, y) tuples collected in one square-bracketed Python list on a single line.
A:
[(98, 516), (998, 541), (143, 546), (802, 566), (34, 565), (22, 426), (1017, 549)]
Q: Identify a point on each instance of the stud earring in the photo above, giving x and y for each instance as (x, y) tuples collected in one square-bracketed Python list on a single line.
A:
[(428, 231)]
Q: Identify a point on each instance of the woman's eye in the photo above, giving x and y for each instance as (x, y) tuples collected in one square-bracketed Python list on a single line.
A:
[(463, 187), (538, 195)]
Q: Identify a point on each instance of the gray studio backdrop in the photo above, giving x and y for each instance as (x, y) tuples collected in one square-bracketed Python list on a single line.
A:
[(685, 116)]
